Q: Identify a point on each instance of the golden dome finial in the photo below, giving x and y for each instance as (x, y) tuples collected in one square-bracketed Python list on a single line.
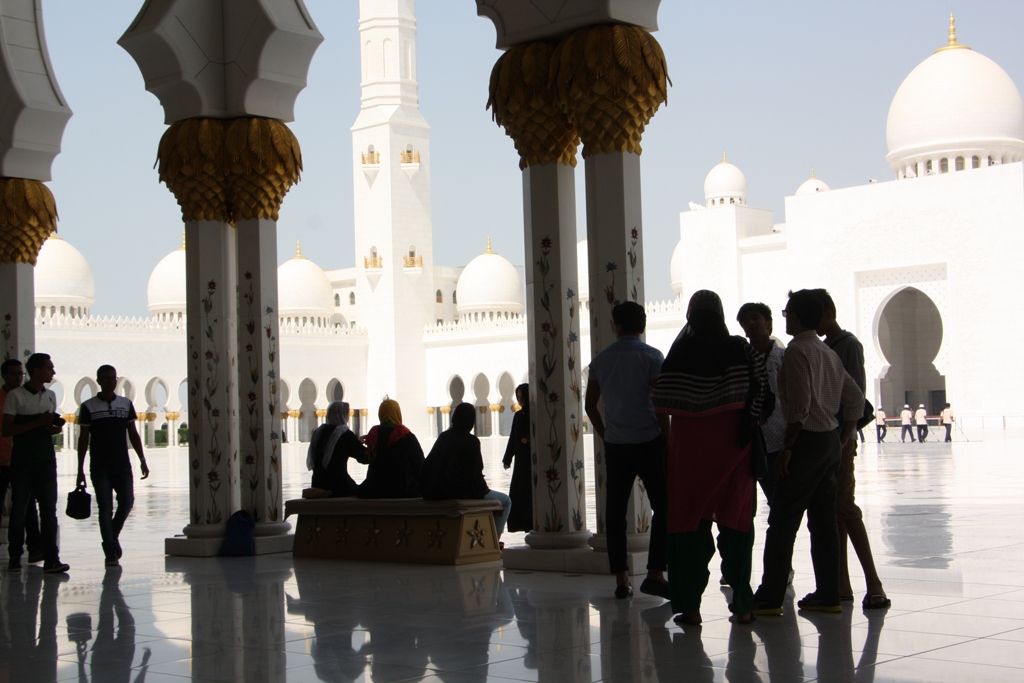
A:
[(812, 173), (488, 245), (952, 44), (182, 240), (298, 249), (725, 159)]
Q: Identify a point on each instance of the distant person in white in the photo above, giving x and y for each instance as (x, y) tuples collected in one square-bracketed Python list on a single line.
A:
[(906, 420), (880, 427), (946, 419), (921, 420)]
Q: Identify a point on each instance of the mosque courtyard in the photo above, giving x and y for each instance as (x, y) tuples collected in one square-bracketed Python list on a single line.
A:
[(945, 523)]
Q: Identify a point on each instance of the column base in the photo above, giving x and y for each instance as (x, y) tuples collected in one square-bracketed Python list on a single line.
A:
[(183, 546), (575, 560), (635, 543), (557, 540)]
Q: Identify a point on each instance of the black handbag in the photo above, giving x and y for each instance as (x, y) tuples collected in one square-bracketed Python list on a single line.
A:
[(759, 455), (79, 504), (868, 417)]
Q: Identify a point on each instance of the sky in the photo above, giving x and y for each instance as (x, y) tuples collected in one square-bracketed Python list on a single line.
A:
[(781, 87)]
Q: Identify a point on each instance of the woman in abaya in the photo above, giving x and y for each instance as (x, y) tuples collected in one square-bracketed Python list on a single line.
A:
[(520, 491), (395, 457), (330, 447), (714, 388)]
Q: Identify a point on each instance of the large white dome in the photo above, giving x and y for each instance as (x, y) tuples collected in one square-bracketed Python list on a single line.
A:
[(166, 291), (63, 280), (304, 292), (956, 103), (725, 184), (489, 286)]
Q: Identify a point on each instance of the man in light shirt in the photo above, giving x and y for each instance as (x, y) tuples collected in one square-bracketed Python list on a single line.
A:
[(880, 427), (921, 420), (946, 418), (813, 389), (906, 420)]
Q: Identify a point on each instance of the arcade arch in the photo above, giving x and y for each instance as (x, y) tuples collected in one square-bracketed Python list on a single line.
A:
[(909, 334), (481, 393), (307, 406)]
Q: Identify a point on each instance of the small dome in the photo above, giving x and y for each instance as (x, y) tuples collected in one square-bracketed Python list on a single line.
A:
[(725, 184), (812, 185), (63, 280), (489, 284), (583, 270), (304, 292), (166, 291), (955, 103)]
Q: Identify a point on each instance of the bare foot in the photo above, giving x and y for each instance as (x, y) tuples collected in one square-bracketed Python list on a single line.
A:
[(691, 618)]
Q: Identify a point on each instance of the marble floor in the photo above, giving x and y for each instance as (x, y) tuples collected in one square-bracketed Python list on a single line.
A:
[(945, 522)]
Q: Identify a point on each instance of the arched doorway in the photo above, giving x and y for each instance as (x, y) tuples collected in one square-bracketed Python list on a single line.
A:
[(307, 406), (481, 392), (910, 335)]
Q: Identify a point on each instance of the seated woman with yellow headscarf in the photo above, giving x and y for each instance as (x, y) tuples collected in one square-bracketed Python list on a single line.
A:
[(395, 457)]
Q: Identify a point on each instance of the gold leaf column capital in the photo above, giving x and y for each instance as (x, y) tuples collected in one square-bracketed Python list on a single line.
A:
[(523, 103), (610, 79), (28, 216), (191, 164)]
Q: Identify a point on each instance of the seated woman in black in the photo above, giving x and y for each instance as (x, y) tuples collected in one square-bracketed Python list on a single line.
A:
[(395, 457), (330, 447), (455, 466)]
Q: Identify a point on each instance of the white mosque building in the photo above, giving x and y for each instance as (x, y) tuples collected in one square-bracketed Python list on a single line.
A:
[(924, 269)]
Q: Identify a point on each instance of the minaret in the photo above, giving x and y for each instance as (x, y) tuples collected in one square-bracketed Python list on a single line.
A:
[(393, 240)]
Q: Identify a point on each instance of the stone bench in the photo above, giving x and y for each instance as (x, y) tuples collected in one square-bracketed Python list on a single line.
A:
[(396, 530)]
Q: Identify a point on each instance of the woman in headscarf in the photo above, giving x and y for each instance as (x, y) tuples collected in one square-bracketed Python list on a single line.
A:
[(395, 457), (520, 491), (714, 388), (455, 467), (330, 447)]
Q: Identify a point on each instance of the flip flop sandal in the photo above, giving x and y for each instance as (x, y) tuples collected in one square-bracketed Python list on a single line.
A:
[(876, 601), (845, 598)]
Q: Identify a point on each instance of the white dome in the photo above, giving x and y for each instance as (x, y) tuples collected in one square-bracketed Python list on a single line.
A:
[(955, 103), (583, 270), (489, 284), (63, 280), (812, 186), (166, 291), (304, 293), (725, 184)]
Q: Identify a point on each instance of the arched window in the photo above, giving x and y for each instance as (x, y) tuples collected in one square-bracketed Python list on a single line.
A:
[(975, 162), (412, 251), (928, 166), (373, 252), (438, 297), (337, 300), (454, 298), (351, 298), (408, 148), (959, 163), (944, 165)]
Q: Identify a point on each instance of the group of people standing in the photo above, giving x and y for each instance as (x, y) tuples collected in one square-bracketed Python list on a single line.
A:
[(28, 461), (918, 418), (719, 412)]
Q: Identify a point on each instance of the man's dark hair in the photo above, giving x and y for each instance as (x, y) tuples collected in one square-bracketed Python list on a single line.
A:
[(826, 301), (464, 417), (8, 364), (34, 361), (631, 316), (947, 405), (807, 306), (105, 368), (748, 308)]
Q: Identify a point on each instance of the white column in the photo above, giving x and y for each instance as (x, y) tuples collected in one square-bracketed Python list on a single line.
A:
[(17, 311), (553, 324), (616, 268), (259, 369), (212, 394)]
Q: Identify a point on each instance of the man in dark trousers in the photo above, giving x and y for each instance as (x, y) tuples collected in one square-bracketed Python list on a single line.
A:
[(634, 436), (849, 518), (13, 375), (108, 422), (813, 389), (30, 420)]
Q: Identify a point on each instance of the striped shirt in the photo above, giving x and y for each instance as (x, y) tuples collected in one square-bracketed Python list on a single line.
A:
[(814, 387), (738, 385)]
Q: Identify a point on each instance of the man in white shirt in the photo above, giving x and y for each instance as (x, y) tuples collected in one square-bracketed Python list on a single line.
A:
[(921, 420), (814, 389), (906, 419), (880, 427), (946, 418)]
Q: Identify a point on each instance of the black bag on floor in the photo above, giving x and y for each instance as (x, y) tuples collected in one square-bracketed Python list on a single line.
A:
[(79, 504), (239, 535)]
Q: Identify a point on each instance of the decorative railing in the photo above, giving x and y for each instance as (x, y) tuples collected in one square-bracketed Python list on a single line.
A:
[(371, 158), (410, 157), (154, 325), (514, 321), (412, 261), (373, 262)]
